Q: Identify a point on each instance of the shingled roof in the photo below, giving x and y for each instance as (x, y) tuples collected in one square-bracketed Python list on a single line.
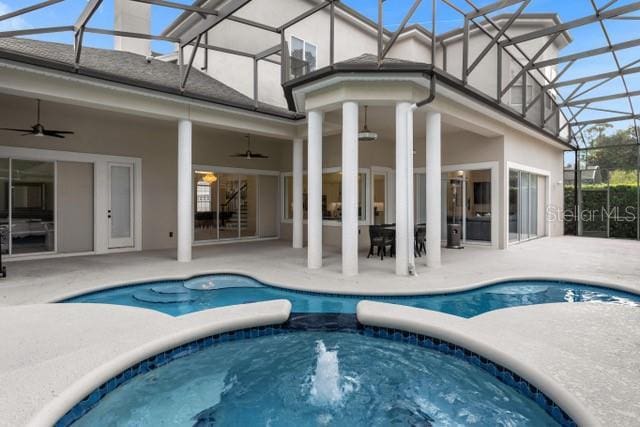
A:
[(131, 69)]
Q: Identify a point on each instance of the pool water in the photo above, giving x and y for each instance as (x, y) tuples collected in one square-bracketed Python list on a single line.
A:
[(201, 293), (316, 379)]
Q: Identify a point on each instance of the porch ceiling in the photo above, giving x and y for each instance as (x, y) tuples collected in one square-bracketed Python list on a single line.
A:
[(381, 119)]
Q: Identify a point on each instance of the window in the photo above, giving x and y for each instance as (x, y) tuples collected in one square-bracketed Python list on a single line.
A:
[(331, 196), (203, 197), (516, 89), (303, 57), (516, 93), (27, 206)]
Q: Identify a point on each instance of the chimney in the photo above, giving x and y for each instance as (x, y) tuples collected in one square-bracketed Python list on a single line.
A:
[(132, 17)]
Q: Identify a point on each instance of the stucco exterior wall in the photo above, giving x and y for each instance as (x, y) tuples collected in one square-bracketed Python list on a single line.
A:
[(522, 150), (154, 141)]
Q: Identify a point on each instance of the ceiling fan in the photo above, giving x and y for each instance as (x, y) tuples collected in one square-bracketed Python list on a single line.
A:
[(39, 130), (249, 154)]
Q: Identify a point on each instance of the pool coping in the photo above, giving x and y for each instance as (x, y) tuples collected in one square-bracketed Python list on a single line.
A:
[(451, 329), (354, 293), (238, 317), (495, 368)]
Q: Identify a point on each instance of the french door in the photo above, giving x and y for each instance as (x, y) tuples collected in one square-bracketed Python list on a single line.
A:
[(120, 214)]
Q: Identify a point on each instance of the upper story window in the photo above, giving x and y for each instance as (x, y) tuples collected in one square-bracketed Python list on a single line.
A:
[(516, 89), (303, 57)]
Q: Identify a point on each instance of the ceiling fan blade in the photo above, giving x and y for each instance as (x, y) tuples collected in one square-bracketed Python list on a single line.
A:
[(258, 156), (17, 130), (53, 134), (63, 132)]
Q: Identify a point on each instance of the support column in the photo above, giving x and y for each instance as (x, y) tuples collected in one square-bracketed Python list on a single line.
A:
[(297, 194), (410, 195), (402, 258), (185, 215), (434, 188), (349, 188), (314, 190)]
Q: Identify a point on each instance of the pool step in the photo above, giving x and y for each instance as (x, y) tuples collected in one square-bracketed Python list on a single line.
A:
[(221, 281), (153, 297), (170, 288)]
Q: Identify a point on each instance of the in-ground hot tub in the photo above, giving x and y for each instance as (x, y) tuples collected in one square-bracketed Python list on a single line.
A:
[(320, 378)]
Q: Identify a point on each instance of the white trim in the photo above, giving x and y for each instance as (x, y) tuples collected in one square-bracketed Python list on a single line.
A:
[(532, 170), (236, 171), (494, 167), (525, 168), (304, 50), (225, 169)]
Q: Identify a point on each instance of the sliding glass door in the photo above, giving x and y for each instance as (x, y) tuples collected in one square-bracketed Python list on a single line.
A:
[(27, 206), (525, 203), (227, 205), (466, 201)]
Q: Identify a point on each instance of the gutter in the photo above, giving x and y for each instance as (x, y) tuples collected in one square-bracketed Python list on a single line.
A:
[(428, 100)]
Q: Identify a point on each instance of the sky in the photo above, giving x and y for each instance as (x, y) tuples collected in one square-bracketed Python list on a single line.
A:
[(585, 38)]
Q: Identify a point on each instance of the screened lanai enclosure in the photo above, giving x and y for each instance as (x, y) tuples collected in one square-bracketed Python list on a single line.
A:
[(584, 94)]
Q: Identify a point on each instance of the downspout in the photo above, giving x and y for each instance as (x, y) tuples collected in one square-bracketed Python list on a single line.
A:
[(412, 108), (428, 100)]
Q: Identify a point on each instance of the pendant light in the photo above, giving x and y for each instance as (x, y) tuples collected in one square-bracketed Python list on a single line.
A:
[(365, 135)]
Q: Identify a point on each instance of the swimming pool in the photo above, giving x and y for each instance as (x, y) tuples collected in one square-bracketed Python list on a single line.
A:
[(316, 378), (219, 290)]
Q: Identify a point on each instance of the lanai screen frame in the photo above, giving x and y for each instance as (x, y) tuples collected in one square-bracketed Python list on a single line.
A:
[(475, 18)]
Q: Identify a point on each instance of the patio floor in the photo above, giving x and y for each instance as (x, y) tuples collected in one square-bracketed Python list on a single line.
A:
[(613, 262)]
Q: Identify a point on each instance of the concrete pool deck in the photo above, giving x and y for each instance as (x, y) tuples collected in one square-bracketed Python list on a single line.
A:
[(53, 353), (613, 262), (589, 349)]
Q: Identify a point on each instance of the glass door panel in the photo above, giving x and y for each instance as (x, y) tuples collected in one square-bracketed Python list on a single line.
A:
[(32, 206), (455, 199), (533, 216), (514, 201), (4, 206), (248, 206), (206, 206), (420, 188), (229, 216), (120, 205), (379, 199), (524, 206), (478, 206)]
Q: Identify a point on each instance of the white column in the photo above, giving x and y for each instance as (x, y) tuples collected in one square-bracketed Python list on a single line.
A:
[(314, 189), (434, 189), (350, 188), (297, 193), (402, 259), (185, 214), (410, 193)]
